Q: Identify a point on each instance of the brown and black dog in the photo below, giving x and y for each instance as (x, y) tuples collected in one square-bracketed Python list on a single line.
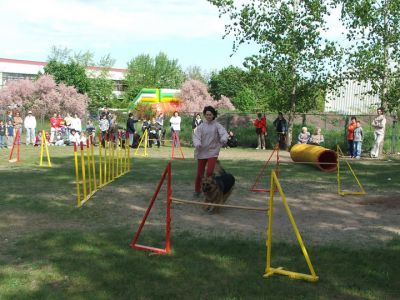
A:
[(217, 188)]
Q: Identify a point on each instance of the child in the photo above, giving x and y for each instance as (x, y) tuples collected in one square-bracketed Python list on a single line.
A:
[(38, 139), (358, 138), (73, 138), (304, 136), (2, 135), (59, 140), (10, 133)]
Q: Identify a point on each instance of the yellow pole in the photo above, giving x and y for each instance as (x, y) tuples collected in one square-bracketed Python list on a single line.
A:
[(105, 163), (83, 172), (129, 158), (100, 165), (93, 164), (88, 165), (78, 192), (296, 230), (269, 231), (41, 148), (109, 161), (117, 157), (120, 157), (113, 159)]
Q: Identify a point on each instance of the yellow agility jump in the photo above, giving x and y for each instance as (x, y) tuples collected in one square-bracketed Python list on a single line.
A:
[(112, 163)]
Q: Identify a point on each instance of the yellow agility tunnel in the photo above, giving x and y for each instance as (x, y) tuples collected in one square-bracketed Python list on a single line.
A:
[(325, 159)]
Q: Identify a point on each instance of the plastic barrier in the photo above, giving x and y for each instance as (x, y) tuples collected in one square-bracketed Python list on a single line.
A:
[(323, 158)]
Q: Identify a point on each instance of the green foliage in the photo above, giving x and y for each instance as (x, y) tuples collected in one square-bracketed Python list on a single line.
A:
[(160, 72), (100, 93), (291, 46), (71, 69), (228, 82), (245, 100), (71, 74)]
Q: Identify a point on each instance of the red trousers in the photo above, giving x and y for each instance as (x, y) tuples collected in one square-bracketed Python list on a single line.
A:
[(201, 166)]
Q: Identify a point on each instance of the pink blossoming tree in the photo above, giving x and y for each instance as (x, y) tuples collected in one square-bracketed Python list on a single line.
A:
[(195, 96), (43, 96)]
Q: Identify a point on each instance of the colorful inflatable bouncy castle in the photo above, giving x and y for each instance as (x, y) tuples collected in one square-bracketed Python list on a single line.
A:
[(323, 158), (163, 99)]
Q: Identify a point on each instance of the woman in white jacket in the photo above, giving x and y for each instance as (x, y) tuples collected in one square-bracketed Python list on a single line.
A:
[(208, 139), (175, 123)]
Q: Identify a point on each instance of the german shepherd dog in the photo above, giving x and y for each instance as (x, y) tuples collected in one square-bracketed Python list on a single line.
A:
[(217, 188)]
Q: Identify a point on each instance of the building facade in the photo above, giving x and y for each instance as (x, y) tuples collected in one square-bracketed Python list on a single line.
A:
[(352, 99), (14, 69)]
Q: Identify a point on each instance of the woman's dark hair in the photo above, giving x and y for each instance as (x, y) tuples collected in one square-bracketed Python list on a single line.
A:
[(259, 115), (130, 115), (381, 109), (211, 110), (353, 118)]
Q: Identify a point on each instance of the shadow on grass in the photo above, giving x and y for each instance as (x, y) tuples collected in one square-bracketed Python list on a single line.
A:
[(93, 265)]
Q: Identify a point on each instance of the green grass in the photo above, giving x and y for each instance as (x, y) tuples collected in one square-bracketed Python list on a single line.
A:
[(49, 249)]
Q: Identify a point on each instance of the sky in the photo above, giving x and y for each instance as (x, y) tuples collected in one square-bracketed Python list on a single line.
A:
[(187, 30)]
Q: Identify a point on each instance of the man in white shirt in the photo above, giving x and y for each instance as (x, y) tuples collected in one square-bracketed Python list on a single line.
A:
[(379, 124), (30, 126)]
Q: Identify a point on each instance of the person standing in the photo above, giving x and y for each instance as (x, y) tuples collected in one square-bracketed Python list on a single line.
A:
[(160, 121), (350, 135), (130, 128), (10, 134), (208, 139), (9, 117), (281, 127), (196, 121), (358, 138), (104, 126), (18, 123), (2, 135), (379, 124), (261, 129), (54, 127), (30, 126), (175, 123)]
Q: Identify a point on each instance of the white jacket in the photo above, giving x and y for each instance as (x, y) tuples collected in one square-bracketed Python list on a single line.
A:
[(175, 123), (30, 122), (208, 139)]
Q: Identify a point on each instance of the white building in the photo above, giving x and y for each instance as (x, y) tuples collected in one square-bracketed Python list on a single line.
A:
[(12, 69), (352, 99)]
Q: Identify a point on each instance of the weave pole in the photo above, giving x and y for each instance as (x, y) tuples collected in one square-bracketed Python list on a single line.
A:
[(109, 168)]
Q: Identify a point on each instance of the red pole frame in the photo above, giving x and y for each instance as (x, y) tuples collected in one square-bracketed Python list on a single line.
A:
[(253, 188), (134, 245), (16, 141)]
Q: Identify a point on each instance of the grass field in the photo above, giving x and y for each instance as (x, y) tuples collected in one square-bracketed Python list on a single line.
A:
[(49, 249)]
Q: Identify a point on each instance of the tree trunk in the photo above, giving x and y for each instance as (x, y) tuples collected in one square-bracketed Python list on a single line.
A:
[(292, 112)]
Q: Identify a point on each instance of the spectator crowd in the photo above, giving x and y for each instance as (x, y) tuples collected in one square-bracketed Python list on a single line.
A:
[(68, 129)]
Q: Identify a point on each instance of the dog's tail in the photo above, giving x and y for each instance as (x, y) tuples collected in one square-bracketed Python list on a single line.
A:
[(219, 170)]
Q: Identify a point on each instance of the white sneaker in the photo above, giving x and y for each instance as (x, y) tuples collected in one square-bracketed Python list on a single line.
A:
[(357, 157), (258, 148)]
